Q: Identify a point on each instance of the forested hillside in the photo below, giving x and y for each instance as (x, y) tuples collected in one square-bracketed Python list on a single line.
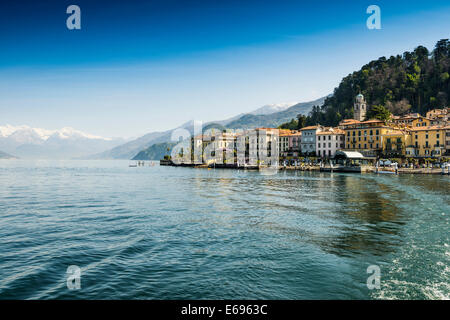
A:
[(155, 152), (416, 81)]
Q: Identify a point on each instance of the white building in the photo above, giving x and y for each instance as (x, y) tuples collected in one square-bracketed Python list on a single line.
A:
[(308, 139), (328, 141)]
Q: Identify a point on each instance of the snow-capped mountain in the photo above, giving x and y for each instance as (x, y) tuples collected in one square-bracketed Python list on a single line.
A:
[(272, 108), (267, 116), (65, 143)]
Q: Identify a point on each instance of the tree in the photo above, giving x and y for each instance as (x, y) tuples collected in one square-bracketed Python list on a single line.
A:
[(301, 119), (378, 112), (399, 107), (291, 125)]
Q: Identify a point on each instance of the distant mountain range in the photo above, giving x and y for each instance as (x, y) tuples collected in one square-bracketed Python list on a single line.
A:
[(37, 143), (272, 108), (4, 155), (273, 120), (266, 116)]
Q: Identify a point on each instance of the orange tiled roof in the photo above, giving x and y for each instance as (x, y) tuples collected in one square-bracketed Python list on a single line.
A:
[(429, 128), (349, 121), (373, 121), (310, 128), (394, 133), (331, 131)]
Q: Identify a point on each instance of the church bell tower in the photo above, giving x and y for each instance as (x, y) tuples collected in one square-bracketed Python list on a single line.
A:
[(360, 108)]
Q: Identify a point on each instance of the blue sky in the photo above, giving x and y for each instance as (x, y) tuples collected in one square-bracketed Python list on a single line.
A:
[(141, 66)]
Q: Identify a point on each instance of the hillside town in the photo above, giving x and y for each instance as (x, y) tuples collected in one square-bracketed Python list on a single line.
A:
[(411, 140)]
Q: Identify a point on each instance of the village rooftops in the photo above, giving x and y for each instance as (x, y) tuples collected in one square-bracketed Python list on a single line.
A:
[(374, 123), (311, 128), (289, 133), (429, 128), (331, 131), (269, 129), (395, 133), (346, 122)]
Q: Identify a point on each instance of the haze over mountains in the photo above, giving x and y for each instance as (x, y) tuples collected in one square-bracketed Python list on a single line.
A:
[(37, 143), (4, 155), (67, 143), (262, 117)]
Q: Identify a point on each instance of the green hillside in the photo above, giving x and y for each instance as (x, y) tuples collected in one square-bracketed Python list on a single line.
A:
[(416, 81), (155, 152)]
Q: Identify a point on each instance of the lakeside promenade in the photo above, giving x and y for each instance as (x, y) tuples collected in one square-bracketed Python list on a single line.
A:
[(306, 167)]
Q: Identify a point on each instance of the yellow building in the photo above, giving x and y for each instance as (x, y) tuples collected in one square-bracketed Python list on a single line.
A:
[(420, 122), (365, 137), (447, 140), (395, 142), (427, 142)]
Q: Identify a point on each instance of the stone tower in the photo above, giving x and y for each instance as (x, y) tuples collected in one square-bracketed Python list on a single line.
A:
[(360, 108)]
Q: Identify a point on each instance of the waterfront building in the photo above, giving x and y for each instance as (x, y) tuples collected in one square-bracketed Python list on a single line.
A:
[(360, 108), (197, 147), (395, 143), (427, 142), (295, 139), (447, 140), (365, 137), (308, 140), (283, 141), (329, 141), (289, 143), (219, 147), (258, 146)]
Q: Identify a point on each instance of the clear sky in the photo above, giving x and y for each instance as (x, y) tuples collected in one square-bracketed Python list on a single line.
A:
[(142, 66)]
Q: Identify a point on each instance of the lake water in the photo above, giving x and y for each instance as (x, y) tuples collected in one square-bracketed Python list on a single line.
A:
[(182, 233)]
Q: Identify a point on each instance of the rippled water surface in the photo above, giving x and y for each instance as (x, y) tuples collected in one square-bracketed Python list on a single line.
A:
[(181, 233)]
